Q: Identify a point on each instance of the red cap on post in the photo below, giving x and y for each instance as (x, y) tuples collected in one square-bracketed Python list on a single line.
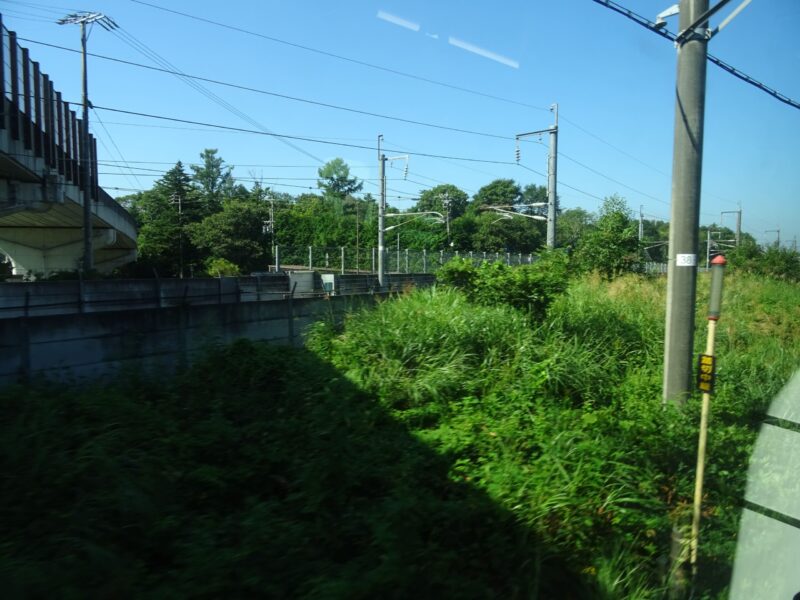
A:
[(715, 300)]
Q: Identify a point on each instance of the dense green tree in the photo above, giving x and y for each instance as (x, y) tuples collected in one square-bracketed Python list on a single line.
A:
[(335, 180), (535, 194), (612, 247), (213, 179), (492, 232), (313, 222), (176, 183), (439, 197), (572, 225), (162, 214), (159, 232), (235, 234), (780, 263), (503, 192)]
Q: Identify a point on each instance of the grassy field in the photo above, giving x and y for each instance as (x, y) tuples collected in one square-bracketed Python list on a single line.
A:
[(438, 445)]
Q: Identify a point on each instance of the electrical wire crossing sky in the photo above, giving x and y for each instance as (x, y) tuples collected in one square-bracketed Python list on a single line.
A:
[(280, 88)]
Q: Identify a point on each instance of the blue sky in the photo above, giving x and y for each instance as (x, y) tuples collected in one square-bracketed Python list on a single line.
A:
[(612, 79)]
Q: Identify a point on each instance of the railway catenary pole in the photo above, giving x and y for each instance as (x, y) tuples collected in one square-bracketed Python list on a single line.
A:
[(738, 214), (381, 213), (552, 177)]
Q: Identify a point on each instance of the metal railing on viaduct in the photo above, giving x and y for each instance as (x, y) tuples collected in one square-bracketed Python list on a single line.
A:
[(41, 188)]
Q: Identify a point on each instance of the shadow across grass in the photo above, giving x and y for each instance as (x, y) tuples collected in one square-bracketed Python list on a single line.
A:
[(261, 472)]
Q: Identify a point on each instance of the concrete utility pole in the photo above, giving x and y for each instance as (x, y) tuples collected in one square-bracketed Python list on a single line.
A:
[(738, 214), (685, 215), (106, 23), (641, 222), (552, 168), (778, 231), (381, 212), (176, 199), (445, 198), (382, 158)]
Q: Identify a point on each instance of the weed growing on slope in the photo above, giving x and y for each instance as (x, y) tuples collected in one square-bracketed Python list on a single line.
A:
[(434, 446), (560, 420)]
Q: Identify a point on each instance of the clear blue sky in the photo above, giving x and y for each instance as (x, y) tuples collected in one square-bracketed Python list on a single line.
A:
[(612, 79)]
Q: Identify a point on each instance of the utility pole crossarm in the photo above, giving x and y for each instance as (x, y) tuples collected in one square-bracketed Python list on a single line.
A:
[(699, 26)]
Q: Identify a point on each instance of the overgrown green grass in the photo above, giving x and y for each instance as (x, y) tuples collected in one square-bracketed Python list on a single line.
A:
[(433, 446), (262, 472), (562, 423)]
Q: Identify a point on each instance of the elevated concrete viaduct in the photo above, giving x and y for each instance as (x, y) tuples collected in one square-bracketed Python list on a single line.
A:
[(41, 191)]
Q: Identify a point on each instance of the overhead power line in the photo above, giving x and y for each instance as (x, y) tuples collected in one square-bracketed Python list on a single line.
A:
[(145, 50), (562, 183), (183, 75), (119, 152), (278, 94), (610, 145), (603, 175), (342, 58), (292, 137), (663, 32)]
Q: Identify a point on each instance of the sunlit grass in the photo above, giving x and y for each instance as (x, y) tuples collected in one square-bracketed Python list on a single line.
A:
[(431, 446)]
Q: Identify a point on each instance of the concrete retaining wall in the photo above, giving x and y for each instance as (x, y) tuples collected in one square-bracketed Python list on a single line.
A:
[(157, 340), (41, 298)]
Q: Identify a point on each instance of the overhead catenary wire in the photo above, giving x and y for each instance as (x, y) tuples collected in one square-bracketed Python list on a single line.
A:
[(294, 137), (26, 16), (281, 95), (612, 146), (116, 147), (603, 175), (665, 33), (46, 8), (342, 144), (641, 20), (182, 75), (342, 58), (177, 73), (356, 111), (155, 57)]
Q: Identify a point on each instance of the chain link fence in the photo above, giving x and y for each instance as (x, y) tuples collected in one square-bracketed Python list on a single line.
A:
[(397, 260)]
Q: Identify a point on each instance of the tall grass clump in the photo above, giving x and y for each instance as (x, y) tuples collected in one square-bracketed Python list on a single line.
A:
[(483, 396), (421, 353), (560, 418)]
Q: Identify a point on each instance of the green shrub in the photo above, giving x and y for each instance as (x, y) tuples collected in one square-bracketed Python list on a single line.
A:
[(221, 267), (780, 263), (529, 287)]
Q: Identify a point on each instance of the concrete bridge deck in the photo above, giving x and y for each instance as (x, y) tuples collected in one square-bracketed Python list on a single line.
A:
[(41, 189)]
